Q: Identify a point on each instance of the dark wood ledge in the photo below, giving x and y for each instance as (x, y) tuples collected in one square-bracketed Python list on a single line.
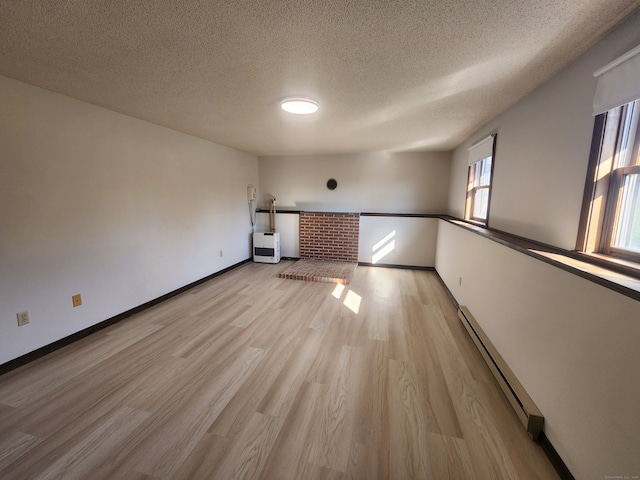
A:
[(615, 276), (593, 269), (279, 210), (362, 214), (402, 215)]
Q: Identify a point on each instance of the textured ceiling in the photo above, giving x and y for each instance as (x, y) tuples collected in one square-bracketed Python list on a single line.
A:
[(389, 74)]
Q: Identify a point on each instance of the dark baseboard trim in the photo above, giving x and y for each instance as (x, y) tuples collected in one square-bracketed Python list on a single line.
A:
[(74, 337), (551, 453), (554, 458), (392, 265), (451, 297)]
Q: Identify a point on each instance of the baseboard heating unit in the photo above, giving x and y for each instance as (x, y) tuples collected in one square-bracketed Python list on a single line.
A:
[(512, 388)]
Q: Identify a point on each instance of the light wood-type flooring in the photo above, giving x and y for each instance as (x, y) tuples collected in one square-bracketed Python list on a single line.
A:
[(253, 376)]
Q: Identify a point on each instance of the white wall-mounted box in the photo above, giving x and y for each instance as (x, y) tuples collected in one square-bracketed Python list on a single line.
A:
[(266, 247)]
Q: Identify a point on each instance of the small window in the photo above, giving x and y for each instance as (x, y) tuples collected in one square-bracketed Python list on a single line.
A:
[(610, 223), (479, 181)]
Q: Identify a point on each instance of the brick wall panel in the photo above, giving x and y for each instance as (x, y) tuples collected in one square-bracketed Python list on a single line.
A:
[(329, 236)]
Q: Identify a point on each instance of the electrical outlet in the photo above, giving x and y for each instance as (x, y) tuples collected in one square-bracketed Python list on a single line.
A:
[(77, 300), (23, 318)]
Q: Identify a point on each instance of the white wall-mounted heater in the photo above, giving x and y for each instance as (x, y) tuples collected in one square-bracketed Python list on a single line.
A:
[(266, 247)]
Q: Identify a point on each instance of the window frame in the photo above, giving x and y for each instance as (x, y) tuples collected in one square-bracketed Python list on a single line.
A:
[(473, 188), (612, 224), (604, 186)]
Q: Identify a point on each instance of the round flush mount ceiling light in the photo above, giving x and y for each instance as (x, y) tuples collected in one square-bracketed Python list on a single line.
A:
[(299, 105)]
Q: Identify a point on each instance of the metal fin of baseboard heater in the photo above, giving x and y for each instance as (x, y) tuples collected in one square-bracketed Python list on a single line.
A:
[(519, 399)]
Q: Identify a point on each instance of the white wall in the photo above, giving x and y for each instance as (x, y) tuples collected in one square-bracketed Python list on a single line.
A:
[(406, 241), (572, 343), (373, 182), (411, 241), (288, 226), (542, 150), (101, 204)]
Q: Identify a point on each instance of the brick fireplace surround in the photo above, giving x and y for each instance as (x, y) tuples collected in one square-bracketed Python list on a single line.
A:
[(330, 236)]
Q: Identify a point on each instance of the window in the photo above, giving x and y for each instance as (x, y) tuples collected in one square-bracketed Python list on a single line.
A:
[(610, 219), (611, 209), (479, 181)]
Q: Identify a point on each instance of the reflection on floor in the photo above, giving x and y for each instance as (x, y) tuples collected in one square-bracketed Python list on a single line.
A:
[(316, 270)]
